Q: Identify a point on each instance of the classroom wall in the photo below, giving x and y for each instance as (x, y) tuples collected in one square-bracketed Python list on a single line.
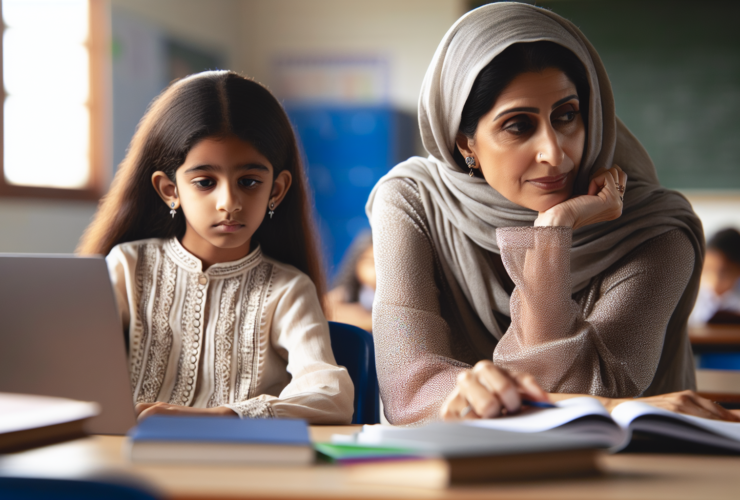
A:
[(405, 31)]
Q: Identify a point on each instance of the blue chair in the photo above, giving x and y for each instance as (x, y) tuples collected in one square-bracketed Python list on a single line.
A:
[(353, 348), (28, 488)]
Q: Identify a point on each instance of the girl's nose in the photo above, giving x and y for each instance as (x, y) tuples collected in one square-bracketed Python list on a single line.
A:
[(228, 200)]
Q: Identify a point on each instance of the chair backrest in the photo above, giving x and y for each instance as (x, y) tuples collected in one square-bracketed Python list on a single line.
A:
[(27, 488), (353, 348)]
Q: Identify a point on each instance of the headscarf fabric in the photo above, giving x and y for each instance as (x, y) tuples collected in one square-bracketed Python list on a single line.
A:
[(463, 212)]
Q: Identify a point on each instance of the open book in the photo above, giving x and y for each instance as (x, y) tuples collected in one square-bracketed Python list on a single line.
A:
[(586, 420)]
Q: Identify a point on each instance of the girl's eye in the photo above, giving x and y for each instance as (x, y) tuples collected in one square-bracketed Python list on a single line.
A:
[(248, 182), (519, 125), (203, 183)]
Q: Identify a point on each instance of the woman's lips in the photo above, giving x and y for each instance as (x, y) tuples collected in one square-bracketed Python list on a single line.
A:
[(551, 183)]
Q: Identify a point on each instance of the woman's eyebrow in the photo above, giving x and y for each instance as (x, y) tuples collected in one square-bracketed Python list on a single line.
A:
[(517, 110), (564, 100)]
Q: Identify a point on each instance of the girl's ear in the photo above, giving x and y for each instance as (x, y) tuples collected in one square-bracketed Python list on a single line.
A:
[(166, 189), (280, 187)]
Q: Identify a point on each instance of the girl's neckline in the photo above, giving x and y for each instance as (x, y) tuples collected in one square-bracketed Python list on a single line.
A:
[(174, 249)]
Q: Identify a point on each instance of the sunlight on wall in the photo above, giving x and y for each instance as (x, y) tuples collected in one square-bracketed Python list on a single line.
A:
[(46, 72)]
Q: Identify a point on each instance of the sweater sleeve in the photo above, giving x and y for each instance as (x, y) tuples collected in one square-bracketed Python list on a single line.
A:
[(610, 343), (319, 390), (416, 370)]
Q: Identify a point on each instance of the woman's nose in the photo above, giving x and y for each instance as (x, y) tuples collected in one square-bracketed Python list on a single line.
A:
[(228, 200), (548, 147)]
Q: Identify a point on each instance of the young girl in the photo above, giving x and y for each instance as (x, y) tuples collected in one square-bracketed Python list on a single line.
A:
[(213, 262)]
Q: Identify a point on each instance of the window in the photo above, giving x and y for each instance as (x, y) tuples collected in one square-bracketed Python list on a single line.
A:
[(55, 110)]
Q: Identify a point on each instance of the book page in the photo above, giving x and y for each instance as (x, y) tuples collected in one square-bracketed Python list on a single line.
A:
[(644, 417)]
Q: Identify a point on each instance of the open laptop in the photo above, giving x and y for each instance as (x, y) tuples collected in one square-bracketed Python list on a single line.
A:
[(61, 335)]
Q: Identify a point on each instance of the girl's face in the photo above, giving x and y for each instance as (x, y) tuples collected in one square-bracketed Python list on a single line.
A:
[(529, 145), (224, 188)]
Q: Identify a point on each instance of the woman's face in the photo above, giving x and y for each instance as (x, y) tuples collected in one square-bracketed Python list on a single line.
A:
[(530, 144)]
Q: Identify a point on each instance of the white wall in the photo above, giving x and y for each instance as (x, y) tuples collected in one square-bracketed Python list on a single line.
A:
[(405, 31), (716, 210)]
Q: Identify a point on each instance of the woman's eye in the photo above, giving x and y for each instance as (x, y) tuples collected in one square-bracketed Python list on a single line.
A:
[(518, 125), (203, 183), (564, 115), (248, 182)]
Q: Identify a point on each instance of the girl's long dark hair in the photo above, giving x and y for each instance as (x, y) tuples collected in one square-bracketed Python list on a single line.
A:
[(214, 103)]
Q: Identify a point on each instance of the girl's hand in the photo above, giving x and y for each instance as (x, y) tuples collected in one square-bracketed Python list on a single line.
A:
[(602, 203), (144, 410), (486, 391)]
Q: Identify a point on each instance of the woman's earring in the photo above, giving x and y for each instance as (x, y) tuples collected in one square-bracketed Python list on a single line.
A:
[(470, 161), (272, 209), (173, 211)]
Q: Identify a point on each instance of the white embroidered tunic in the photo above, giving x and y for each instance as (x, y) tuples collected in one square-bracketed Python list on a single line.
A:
[(249, 334)]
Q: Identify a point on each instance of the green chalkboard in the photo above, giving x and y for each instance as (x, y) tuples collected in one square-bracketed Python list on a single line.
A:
[(675, 71)]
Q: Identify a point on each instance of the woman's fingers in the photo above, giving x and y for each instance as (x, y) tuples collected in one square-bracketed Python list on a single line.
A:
[(529, 387), (500, 383), (482, 400), (690, 403), (715, 410)]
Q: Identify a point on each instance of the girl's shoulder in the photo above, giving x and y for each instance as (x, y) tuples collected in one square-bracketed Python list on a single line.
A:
[(286, 277), (131, 248)]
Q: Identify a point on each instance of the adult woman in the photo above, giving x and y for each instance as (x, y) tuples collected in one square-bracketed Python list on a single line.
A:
[(593, 298)]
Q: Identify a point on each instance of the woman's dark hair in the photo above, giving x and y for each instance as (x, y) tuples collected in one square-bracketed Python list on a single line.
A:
[(501, 71), (727, 242), (347, 274), (209, 104)]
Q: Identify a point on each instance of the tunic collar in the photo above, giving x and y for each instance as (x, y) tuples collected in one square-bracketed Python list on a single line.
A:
[(184, 259)]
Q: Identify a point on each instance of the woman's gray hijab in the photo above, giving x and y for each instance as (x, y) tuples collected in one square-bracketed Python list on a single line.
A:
[(463, 212)]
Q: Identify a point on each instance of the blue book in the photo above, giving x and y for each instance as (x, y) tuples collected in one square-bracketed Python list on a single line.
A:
[(220, 439)]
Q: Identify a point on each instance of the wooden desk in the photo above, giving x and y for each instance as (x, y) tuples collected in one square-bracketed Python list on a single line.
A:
[(627, 476), (716, 338)]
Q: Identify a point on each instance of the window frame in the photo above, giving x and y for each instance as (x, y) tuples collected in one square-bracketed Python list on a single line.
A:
[(99, 104)]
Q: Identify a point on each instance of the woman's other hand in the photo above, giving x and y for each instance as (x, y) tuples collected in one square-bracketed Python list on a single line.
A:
[(144, 410), (602, 203), (486, 391), (686, 402)]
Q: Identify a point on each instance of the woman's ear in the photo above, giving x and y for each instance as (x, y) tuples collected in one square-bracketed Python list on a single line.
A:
[(465, 146), (280, 187), (166, 189)]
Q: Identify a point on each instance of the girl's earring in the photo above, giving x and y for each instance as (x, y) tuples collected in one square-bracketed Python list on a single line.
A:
[(173, 211), (272, 209), (470, 162)]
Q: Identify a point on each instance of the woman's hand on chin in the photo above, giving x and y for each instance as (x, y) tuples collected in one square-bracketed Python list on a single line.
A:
[(602, 203), (486, 391), (144, 410)]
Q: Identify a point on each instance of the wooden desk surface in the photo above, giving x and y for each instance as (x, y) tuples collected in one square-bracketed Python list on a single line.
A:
[(627, 476), (707, 336)]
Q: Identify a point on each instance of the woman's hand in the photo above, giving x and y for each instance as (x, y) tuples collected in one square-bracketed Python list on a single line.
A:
[(602, 203), (144, 410), (486, 391), (687, 402)]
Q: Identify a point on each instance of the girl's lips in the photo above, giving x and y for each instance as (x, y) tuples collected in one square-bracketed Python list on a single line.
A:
[(552, 183), (229, 228)]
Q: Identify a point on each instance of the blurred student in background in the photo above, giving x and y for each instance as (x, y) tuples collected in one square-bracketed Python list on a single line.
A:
[(719, 295), (351, 299)]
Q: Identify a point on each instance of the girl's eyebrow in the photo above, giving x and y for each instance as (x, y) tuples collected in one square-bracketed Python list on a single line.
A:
[(535, 110), (215, 168)]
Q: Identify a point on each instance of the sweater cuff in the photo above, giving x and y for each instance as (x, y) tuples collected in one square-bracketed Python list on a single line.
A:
[(510, 238)]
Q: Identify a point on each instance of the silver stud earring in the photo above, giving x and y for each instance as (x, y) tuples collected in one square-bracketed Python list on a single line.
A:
[(470, 161), (272, 209), (173, 211)]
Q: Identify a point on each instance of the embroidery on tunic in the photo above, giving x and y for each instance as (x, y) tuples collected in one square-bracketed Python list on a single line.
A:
[(249, 329), (224, 340), (139, 332), (161, 332), (191, 327)]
